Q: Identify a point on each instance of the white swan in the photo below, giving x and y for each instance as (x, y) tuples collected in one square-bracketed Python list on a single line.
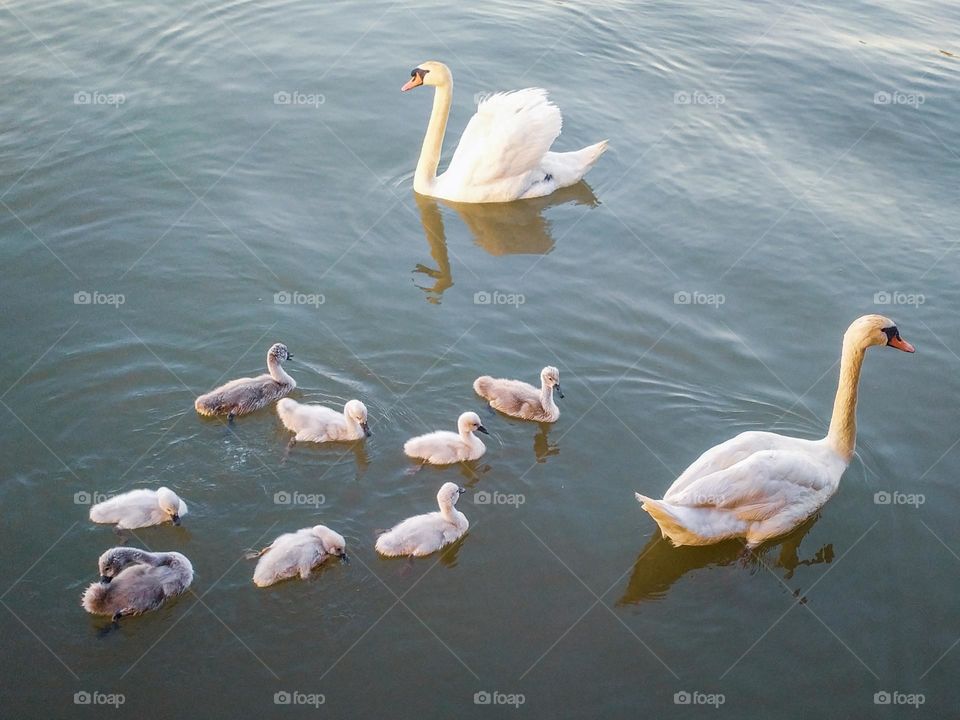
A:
[(140, 508), (133, 581), (760, 485), (244, 395), (297, 553), (443, 447), (316, 423), (520, 399), (423, 534), (504, 152)]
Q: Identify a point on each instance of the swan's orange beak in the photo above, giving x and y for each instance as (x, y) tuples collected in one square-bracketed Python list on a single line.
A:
[(900, 344), (415, 81)]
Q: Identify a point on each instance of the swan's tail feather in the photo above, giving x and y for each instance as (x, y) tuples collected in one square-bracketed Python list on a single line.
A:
[(481, 385), (592, 153), (388, 545), (670, 524), (569, 167), (95, 599), (287, 410), (211, 404)]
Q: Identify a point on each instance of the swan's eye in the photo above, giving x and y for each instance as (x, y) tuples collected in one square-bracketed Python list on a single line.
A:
[(891, 333)]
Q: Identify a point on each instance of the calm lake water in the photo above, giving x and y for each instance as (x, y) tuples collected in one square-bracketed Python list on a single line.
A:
[(775, 170)]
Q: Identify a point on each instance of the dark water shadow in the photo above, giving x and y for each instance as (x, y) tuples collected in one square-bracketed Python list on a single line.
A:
[(660, 564)]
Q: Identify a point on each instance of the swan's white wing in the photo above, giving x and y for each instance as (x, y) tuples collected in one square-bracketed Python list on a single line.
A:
[(506, 138), (760, 486), (725, 455)]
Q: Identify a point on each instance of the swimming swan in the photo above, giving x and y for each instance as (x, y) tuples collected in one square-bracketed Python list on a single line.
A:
[(297, 553), (140, 508), (504, 152), (244, 395), (520, 399), (423, 534), (316, 423), (443, 447), (134, 581), (761, 485)]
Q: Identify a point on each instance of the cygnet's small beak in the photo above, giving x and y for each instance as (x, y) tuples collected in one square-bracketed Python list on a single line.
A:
[(482, 429), (366, 428), (344, 558), (460, 491), (559, 391), (289, 356), (176, 520), (105, 579)]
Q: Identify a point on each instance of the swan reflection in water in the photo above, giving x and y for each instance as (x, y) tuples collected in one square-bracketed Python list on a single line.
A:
[(515, 228), (542, 447), (660, 564)]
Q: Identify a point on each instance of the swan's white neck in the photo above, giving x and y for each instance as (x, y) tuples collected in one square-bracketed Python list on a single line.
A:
[(842, 435), (546, 396), (352, 423), (278, 373), (448, 512), (426, 174)]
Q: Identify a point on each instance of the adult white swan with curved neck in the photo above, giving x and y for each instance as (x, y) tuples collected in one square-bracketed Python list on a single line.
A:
[(504, 152), (760, 485)]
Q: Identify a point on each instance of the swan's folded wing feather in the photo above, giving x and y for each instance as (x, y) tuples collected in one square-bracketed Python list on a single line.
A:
[(507, 137), (759, 486), (723, 456)]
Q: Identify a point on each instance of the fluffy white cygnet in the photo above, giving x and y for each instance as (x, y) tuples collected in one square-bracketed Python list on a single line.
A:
[(423, 534), (443, 447)]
